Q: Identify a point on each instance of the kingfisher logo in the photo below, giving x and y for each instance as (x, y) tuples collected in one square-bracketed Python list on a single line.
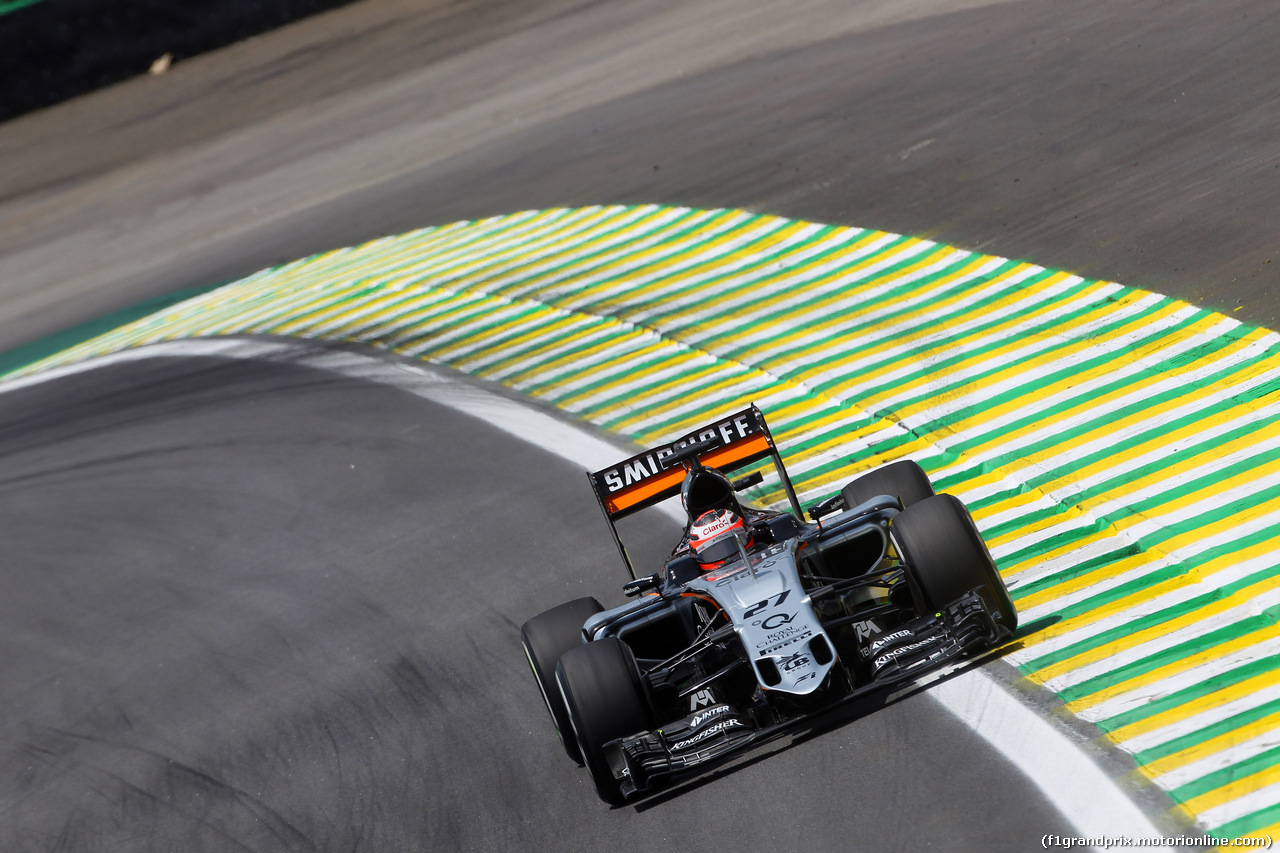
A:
[(722, 726), (892, 655)]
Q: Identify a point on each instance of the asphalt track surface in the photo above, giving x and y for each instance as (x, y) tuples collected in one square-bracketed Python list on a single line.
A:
[(219, 633), (260, 606)]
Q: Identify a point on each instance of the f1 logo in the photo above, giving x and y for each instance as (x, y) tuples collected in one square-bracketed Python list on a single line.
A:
[(701, 698)]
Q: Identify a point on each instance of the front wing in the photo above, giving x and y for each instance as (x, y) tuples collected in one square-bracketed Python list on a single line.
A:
[(717, 732)]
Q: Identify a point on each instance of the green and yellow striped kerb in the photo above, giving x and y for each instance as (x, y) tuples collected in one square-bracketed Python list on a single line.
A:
[(1120, 449)]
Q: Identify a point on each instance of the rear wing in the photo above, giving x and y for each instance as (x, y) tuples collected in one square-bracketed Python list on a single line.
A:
[(731, 443)]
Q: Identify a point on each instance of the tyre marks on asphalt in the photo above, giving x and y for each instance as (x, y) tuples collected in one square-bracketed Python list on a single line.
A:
[(1120, 449)]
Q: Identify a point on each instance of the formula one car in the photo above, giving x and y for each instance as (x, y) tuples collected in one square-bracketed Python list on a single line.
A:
[(759, 619)]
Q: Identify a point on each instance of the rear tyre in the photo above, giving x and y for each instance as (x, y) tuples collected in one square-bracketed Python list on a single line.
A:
[(938, 540), (602, 693), (545, 638), (905, 480)]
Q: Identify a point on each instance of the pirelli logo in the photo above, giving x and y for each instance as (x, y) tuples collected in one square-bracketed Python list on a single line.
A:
[(645, 479)]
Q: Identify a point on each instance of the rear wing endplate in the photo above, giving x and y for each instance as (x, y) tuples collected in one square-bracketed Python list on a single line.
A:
[(733, 442)]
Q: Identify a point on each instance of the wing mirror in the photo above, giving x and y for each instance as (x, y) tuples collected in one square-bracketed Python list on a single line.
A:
[(830, 505), (633, 588)]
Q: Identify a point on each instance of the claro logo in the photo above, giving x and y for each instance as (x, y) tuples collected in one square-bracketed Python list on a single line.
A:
[(715, 525)]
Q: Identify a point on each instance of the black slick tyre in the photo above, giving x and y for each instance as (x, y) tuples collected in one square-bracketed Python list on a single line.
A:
[(938, 540), (602, 693), (904, 479), (545, 638)]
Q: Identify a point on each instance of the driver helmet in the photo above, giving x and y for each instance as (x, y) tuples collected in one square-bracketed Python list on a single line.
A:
[(712, 535)]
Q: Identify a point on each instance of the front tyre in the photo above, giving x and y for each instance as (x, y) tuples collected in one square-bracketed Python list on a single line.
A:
[(601, 690), (944, 551), (904, 480), (545, 638)]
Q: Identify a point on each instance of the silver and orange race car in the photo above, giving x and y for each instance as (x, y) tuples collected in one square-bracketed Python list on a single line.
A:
[(759, 619)]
